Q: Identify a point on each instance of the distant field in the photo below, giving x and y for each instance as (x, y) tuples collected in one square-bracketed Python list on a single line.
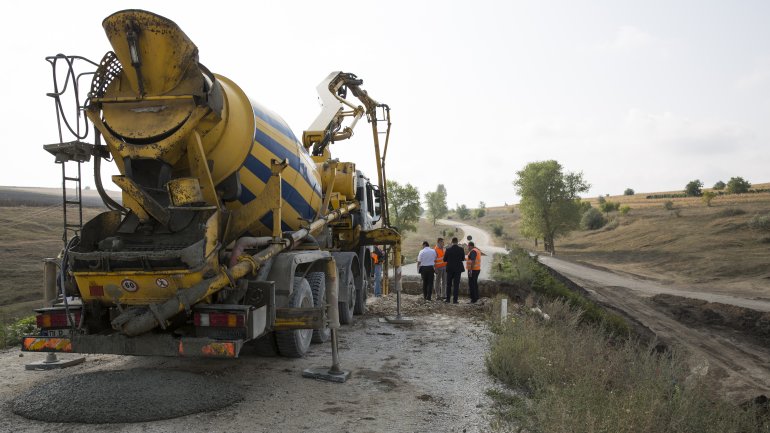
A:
[(30, 230), (711, 248)]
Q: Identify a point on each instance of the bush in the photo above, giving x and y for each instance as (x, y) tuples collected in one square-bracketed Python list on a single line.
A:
[(592, 219), (668, 205), (760, 222), (693, 188), (708, 196), (719, 185), (624, 209), (612, 224), (609, 206), (738, 185), (11, 333), (601, 199), (628, 191), (497, 229)]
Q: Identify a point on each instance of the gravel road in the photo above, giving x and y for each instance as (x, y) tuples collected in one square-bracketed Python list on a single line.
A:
[(423, 378)]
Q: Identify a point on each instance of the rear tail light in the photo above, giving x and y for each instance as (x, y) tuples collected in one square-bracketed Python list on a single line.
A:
[(57, 319), (220, 320)]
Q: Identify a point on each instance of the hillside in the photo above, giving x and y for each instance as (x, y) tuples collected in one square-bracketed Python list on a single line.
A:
[(708, 248)]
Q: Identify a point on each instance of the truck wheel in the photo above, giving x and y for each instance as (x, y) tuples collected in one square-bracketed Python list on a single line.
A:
[(347, 308), (317, 282), (361, 295), (295, 342)]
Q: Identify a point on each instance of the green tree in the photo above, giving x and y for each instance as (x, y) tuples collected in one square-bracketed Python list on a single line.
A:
[(693, 188), (592, 219), (403, 206), (436, 201), (609, 206), (708, 196), (463, 212), (481, 210), (601, 199), (628, 191), (738, 185), (550, 206), (719, 186)]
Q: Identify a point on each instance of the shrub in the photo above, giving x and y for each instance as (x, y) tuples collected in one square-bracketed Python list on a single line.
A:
[(609, 206), (601, 199), (624, 209), (612, 224), (708, 196), (497, 229), (628, 191), (738, 185), (668, 205), (693, 188), (760, 222), (592, 219), (11, 333), (719, 185)]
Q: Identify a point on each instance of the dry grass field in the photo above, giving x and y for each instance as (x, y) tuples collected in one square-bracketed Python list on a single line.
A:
[(709, 248)]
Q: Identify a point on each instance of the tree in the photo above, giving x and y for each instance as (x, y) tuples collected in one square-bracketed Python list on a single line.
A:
[(403, 206), (624, 209), (481, 210), (719, 186), (550, 206), (592, 220), (628, 191), (436, 201), (463, 212), (708, 196), (609, 206), (693, 188), (601, 199), (738, 185)]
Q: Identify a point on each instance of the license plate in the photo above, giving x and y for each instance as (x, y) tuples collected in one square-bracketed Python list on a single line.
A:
[(66, 332)]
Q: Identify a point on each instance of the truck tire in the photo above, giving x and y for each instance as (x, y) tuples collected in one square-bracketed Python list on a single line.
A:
[(317, 282), (347, 308), (295, 342), (361, 295)]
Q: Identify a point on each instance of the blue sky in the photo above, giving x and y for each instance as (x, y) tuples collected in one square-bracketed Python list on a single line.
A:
[(647, 95)]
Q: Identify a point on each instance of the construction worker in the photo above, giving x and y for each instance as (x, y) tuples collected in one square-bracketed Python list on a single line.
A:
[(473, 266), (377, 257), (426, 259), (440, 269)]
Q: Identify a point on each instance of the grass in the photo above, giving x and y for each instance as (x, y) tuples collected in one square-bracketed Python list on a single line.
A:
[(520, 269), (561, 375)]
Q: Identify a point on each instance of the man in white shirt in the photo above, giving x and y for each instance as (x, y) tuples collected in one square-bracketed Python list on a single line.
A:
[(425, 261)]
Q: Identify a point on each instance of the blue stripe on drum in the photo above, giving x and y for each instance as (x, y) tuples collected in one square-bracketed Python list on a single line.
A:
[(289, 193)]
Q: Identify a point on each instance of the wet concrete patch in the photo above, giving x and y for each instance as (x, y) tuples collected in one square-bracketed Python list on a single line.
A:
[(125, 396)]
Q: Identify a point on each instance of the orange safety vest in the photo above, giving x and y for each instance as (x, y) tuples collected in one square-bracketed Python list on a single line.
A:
[(471, 265), (439, 263), (375, 259)]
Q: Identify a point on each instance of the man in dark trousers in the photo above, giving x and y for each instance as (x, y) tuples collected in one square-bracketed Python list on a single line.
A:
[(474, 269), (454, 257), (425, 261)]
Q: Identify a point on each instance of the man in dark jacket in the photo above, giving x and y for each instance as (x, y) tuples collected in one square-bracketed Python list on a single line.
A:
[(454, 258)]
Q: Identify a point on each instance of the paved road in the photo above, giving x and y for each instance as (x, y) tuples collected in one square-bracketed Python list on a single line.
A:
[(480, 238)]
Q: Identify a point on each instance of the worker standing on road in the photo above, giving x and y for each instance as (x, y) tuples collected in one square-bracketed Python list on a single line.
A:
[(454, 257), (377, 257), (473, 264), (425, 261), (440, 269)]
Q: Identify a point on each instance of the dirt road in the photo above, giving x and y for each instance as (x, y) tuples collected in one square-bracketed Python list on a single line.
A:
[(428, 377), (745, 366)]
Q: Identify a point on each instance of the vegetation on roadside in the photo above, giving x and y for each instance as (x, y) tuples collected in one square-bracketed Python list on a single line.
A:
[(11, 333), (403, 206), (563, 375), (436, 202), (522, 270)]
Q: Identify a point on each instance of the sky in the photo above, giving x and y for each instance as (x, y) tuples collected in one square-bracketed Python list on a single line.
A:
[(645, 95)]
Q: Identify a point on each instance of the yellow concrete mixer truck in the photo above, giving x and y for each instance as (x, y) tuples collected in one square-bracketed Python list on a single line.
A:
[(231, 230)]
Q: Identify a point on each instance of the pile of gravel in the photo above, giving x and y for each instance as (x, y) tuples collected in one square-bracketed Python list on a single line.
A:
[(125, 396)]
